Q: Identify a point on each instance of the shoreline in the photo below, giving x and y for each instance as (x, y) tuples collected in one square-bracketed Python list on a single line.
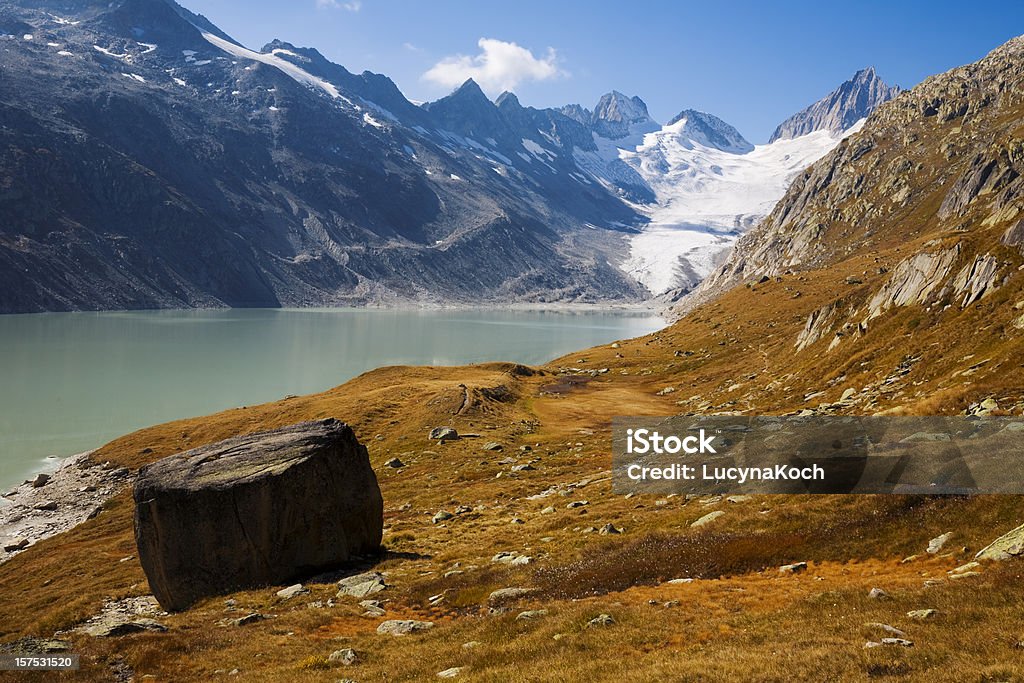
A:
[(50, 504)]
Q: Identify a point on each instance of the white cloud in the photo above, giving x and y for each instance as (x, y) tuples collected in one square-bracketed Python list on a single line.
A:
[(499, 66), (351, 6)]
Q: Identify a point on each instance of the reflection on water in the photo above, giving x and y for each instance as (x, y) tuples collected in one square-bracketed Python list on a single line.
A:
[(72, 381)]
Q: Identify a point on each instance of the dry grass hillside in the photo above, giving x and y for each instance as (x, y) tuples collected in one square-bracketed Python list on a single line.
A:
[(840, 313)]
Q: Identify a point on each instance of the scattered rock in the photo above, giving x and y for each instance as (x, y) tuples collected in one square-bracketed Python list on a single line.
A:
[(504, 594), (45, 505), (441, 516), (523, 468), (710, 517), (394, 463), (610, 529), (878, 594), (733, 499), (452, 672), (1010, 544), (117, 626), (531, 614), (492, 446), (512, 558), (794, 568), (548, 511), (902, 642), (361, 585), (676, 582), (16, 544), (968, 568), (577, 504), (402, 627), (937, 543), (892, 630), (256, 510), (40, 481), (471, 645), (250, 618), (443, 434), (601, 620), (346, 657), (922, 614), (292, 591)]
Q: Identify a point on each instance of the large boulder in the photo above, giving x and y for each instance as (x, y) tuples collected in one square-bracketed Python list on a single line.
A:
[(256, 510)]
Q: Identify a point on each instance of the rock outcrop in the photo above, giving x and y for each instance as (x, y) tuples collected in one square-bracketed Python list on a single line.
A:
[(255, 510)]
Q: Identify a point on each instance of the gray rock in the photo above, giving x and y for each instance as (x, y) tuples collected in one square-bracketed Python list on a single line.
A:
[(441, 516), (346, 657), (394, 463), (610, 529), (443, 434), (922, 614), (403, 627), (40, 481), (256, 510), (361, 585), (15, 545), (794, 568), (46, 505), (452, 672), (937, 543), (250, 618), (877, 594), (505, 594), (577, 504), (601, 620), (292, 591), (706, 519), (531, 614), (116, 626), (492, 446), (1009, 545), (902, 642)]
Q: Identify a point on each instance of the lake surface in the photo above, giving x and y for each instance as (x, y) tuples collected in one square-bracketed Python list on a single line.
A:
[(70, 382)]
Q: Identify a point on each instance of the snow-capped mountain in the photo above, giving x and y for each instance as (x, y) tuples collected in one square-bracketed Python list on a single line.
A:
[(148, 160)]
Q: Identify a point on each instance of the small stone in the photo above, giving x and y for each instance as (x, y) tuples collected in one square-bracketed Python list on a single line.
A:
[(531, 614), (516, 520), (937, 543), (394, 463), (710, 517), (601, 620), (548, 511), (902, 642), (877, 594), (46, 505), (443, 434), (452, 672), (676, 582), (492, 446), (40, 481), (471, 645), (968, 568), (503, 594), (346, 657), (361, 585), (523, 468), (847, 395), (251, 618), (15, 545), (122, 626), (737, 499), (922, 614), (292, 591), (609, 529), (577, 504), (402, 627), (794, 568), (892, 630), (441, 516)]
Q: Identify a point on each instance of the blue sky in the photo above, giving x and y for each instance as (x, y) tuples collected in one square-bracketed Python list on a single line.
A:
[(750, 63)]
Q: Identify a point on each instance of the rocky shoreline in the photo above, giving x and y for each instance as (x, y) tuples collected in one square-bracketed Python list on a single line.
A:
[(50, 504)]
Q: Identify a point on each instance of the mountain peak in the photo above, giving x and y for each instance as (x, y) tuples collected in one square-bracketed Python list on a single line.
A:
[(840, 109), (615, 113), (710, 131)]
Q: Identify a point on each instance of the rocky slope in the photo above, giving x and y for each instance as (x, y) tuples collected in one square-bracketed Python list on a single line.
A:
[(849, 103)]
